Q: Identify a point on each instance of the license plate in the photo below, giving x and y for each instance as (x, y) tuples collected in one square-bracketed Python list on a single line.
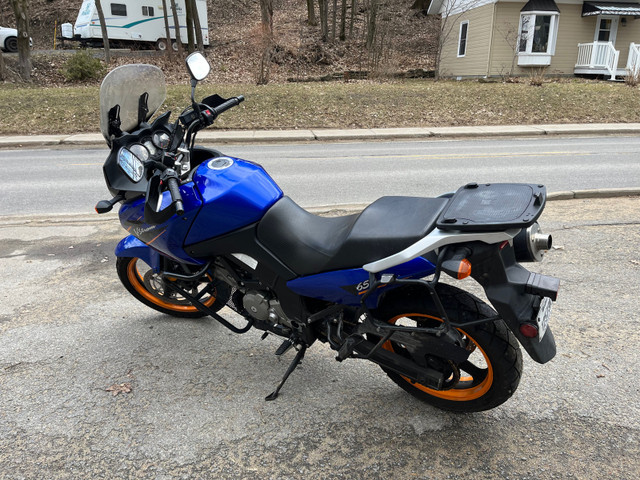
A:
[(543, 316)]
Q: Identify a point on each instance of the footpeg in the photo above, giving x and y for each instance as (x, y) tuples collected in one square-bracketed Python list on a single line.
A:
[(284, 348), (347, 348)]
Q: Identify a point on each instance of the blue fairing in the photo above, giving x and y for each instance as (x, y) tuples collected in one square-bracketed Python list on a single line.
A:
[(167, 238), (348, 286), (232, 197), (132, 247)]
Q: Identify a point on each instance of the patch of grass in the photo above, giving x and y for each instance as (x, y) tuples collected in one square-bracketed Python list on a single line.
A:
[(31, 110)]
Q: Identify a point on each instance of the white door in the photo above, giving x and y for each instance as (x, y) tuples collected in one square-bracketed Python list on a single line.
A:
[(606, 31)]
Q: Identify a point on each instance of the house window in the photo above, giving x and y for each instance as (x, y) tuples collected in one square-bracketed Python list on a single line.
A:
[(538, 33), (119, 9), (147, 11), (462, 38)]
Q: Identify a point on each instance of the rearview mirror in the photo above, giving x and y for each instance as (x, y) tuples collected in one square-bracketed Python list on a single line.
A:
[(198, 66)]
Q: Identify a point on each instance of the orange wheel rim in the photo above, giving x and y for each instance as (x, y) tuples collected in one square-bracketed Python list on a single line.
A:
[(135, 278), (455, 394)]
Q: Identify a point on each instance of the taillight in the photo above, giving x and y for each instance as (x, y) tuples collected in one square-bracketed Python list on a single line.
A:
[(529, 330)]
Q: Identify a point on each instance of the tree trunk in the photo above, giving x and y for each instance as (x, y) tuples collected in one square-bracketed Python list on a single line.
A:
[(266, 12), (105, 35), (190, 39), (324, 19), (371, 24), (167, 31), (197, 26), (334, 19), (24, 49), (343, 21), (353, 18), (2, 69), (176, 26), (311, 13)]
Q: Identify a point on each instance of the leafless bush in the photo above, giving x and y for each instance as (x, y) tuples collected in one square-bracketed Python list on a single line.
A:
[(632, 78), (537, 76)]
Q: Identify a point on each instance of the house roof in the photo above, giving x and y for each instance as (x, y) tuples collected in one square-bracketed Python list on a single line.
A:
[(610, 8), (540, 6)]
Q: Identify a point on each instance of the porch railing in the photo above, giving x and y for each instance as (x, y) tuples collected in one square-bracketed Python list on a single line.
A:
[(598, 55), (633, 62)]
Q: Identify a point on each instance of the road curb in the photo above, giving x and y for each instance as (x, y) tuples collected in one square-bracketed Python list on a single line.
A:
[(334, 135)]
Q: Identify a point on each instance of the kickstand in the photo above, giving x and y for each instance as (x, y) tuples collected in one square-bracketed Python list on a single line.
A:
[(294, 363)]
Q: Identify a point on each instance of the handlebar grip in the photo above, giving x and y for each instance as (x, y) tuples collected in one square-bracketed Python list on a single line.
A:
[(176, 198), (232, 102)]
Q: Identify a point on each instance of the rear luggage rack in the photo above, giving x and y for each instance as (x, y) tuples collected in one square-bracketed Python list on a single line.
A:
[(493, 206)]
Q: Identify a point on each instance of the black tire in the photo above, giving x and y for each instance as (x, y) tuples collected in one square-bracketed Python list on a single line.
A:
[(162, 45), (494, 367), (140, 284), (11, 44)]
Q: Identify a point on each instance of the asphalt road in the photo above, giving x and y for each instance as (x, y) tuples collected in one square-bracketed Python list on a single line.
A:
[(69, 331), (70, 181)]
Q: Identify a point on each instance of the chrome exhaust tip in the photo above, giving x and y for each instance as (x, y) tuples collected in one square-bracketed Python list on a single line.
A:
[(531, 244)]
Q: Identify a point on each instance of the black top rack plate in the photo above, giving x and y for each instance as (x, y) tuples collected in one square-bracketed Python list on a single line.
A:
[(493, 206)]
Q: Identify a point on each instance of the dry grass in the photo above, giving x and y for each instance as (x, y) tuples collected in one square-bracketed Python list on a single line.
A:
[(365, 104)]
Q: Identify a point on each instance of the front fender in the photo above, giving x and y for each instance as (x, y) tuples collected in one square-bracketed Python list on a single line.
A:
[(132, 247)]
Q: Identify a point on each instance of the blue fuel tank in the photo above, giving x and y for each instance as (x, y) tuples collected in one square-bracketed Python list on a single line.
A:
[(234, 193)]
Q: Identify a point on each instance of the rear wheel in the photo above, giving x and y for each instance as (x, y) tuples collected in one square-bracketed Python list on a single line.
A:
[(11, 44), (149, 288), (162, 44), (486, 379)]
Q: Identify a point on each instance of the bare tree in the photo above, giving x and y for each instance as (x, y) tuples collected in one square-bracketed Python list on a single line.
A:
[(21, 12), (176, 26), (105, 35), (266, 12), (343, 21), (189, 20), (167, 30), (311, 13), (196, 25), (324, 19), (2, 68), (353, 17), (372, 20), (334, 20), (511, 36)]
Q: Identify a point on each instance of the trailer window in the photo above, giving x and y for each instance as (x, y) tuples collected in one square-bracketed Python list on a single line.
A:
[(147, 11), (119, 9)]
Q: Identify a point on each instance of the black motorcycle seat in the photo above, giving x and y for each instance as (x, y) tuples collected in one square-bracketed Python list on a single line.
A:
[(310, 244)]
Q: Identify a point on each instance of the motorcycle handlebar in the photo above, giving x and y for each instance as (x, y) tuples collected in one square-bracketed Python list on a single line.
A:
[(176, 198), (232, 102)]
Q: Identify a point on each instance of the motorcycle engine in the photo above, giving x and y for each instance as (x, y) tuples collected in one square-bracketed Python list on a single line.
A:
[(264, 308)]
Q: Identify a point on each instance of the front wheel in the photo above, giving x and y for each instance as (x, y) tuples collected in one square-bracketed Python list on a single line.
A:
[(490, 375), (149, 288)]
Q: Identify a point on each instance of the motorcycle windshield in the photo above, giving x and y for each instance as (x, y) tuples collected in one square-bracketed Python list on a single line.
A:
[(124, 86)]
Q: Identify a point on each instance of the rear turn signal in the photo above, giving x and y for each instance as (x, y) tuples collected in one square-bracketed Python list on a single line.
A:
[(458, 266), (464, 270)]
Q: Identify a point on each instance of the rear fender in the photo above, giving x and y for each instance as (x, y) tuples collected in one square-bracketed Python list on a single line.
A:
[(132, 247), (505, 283)]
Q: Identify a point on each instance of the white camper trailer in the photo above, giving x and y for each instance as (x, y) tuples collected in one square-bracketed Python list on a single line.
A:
[(130, 21)]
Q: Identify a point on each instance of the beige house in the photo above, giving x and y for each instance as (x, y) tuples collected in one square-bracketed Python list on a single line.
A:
[(485, 38)]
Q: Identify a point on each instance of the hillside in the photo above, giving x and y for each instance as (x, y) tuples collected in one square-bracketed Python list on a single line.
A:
[(405, 39)]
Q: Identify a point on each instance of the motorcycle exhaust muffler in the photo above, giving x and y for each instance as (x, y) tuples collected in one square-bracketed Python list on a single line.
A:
[(531, 244)]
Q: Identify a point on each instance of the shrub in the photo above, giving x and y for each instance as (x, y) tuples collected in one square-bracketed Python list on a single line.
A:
[(83, 66), (633, 76)]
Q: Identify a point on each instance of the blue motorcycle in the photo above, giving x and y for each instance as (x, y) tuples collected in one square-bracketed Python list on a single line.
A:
[(209, 231)]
